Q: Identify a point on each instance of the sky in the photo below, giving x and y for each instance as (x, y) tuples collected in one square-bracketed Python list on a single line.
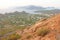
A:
[(45, 3)]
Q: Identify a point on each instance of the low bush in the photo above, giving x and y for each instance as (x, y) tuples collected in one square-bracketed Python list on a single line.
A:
[(43, 31), (14, 37), (29, 36)]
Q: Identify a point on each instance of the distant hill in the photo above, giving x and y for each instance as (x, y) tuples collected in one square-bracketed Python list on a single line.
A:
[(12, 21), (54, 11), (29, 9)]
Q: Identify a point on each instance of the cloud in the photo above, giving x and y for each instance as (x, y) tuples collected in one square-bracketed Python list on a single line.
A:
[(12, 3)]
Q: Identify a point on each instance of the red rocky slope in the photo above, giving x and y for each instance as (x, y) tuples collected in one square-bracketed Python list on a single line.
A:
[(52, 24)]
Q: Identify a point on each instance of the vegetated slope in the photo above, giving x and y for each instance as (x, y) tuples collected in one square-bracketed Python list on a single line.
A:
[(47, 29), (9, 22)]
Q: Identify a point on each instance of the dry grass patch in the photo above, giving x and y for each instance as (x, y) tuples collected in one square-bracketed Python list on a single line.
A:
[(43, 31)]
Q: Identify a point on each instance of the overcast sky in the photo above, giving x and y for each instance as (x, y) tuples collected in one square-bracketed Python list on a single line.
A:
[(45, 3)]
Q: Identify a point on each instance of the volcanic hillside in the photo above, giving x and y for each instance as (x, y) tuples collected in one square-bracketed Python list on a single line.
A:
[(47, 29)]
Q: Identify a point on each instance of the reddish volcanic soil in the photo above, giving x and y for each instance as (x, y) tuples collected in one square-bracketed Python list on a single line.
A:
[(53, 24)]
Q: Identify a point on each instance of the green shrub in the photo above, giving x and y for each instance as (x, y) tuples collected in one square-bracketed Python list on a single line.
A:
[(14, 37), (43, 31)]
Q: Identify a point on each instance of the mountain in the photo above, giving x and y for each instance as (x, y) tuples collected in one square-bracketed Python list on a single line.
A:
[(54, 11), (50, 8), (10, 22), (46, 29), (29, 9)]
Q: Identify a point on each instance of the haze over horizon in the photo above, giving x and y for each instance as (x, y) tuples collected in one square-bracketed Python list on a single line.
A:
[(13, 3)]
